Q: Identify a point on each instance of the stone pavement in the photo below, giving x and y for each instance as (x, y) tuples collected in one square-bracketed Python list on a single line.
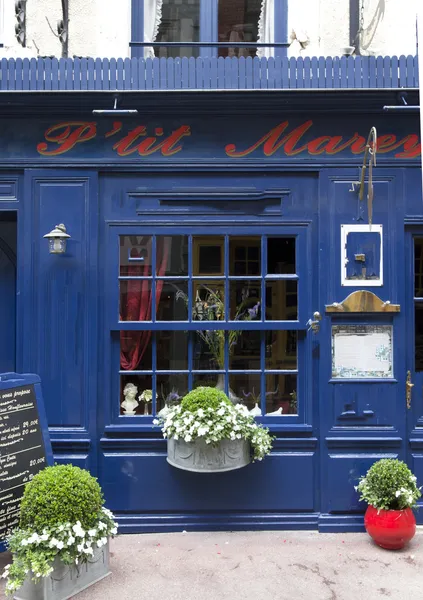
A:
[(269, 565)]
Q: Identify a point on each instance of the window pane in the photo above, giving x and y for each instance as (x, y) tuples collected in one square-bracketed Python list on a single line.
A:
[(245, 389), (281, 393), (135, 255), (172, 255), (244, 255), (245, 300), (281, 300), (171, 389), (244, 350), (171, 298), (238, 22), (208, 301), (418, 337), (135, 300), (172, 350), (418, 267), (208, 349), (136, 350), (179, 23), (280, 256), (208, 253), (131, 388), (281, 350), (208, 380)]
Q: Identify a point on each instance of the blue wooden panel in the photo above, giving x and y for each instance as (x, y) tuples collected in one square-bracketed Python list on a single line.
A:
[(344, 472), (147, 483), (369, 244), (8, 250), (62, 317), (364, 405)]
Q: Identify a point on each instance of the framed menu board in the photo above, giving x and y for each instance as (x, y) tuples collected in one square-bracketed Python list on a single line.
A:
[(25, 446), (362, 351)]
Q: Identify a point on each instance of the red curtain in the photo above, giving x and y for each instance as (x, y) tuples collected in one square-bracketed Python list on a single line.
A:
[(137, 307)]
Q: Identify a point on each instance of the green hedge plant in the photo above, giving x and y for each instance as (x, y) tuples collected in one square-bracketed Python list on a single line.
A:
[(62, 516), (389, 485), (209, 414)]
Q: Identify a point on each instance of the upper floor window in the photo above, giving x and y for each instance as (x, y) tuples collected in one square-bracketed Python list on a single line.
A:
[(198, 22)]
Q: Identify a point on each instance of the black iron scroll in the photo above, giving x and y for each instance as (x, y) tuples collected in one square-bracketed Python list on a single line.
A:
[(370, 153)]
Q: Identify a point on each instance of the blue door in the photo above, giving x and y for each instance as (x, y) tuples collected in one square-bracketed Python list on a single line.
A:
[(7, 292), (412, 396)]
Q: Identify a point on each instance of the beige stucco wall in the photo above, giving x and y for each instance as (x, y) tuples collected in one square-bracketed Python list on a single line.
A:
[(102, 27)]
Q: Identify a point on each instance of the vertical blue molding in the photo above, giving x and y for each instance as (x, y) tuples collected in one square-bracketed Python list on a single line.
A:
[(208, 26), (281, 26), (137, 27)]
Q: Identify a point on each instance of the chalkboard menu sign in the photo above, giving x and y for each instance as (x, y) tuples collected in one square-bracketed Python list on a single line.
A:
[(24, 443)]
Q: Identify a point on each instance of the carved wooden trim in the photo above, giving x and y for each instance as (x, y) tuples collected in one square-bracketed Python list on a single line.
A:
[(362, 301)]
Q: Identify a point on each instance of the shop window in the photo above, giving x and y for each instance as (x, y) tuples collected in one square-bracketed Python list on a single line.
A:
[(230, 22), (209, 310), (418, 303)]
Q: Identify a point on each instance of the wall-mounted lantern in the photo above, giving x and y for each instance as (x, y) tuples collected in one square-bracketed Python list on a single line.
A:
[(57, 239)]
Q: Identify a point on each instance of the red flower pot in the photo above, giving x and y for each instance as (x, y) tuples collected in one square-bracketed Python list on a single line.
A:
[(390, 529)]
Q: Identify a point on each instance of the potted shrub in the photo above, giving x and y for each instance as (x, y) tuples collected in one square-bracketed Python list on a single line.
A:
[(390, 489), (206, 432), (61, 544)]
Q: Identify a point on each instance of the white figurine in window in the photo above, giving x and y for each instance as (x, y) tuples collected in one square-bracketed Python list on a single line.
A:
[(130, 403)]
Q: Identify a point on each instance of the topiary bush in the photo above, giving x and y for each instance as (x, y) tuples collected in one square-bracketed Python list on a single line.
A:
[(204, 397), (389, 485), (61, 494)]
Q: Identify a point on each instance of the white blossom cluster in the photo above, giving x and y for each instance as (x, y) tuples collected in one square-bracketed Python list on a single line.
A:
[(34, 552), (227, 422)]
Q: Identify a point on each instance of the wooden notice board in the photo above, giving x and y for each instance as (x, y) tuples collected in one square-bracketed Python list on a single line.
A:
[(25, 446)]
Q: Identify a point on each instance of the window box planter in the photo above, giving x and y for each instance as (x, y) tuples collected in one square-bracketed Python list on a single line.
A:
[(200, 457), (67, 580)]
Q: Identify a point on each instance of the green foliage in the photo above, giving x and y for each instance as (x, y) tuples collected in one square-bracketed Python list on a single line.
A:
[(208, 413), (61, 517), (204, 397), (389, 485), (60, 494)]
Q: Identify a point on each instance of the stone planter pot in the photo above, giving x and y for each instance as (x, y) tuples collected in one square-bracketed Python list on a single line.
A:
[(67, 580), (200, 457)]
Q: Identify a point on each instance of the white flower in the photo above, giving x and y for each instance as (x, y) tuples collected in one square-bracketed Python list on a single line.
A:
[(102, 526), (221, 412), (413, 478), (200, 412), (156, 422), (24, 542), (44, 537), (92, 532), (71, 540), (88, 551), (53, 542), (60, 528), (100, 543), (80, 547), (113, 531), (34, 538), (398, 493), (60, 545), (188, 438)]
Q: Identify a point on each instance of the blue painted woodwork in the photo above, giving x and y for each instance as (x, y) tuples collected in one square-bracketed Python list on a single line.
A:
[(363, 243), (207, 72), (8, 249), (68, 326)]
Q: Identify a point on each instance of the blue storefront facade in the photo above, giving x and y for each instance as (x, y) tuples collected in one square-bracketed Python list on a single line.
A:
[(249, 194)]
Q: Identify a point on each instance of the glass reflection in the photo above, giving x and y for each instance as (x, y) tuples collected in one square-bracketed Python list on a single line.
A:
[(136, 395), (238, 22), (280, 256), (171, 300), (281, 300), (244, 350), (418, 267), (208, 301), (172, 350), (281, 395), (174, 260), (281, 350), (245, 300), (208, 253), (244, 255), (245, 389), (135, 255), (135, 300), (418, 336), (171, 388), (136, 350)]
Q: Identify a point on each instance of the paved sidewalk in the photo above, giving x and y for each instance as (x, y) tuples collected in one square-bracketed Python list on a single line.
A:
[(290, 565)]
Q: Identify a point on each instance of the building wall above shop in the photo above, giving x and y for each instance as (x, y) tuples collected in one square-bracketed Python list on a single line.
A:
[(102, 28)]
